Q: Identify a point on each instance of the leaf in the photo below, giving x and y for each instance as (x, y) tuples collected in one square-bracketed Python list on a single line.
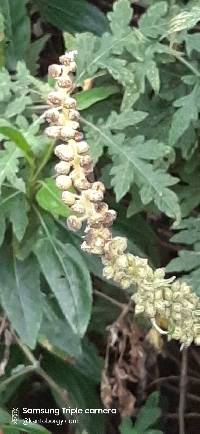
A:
[(188, 109), (130, 158), (5, 85), (192, 43), (77, 17), (9, 167), (148, 415), (14, 207), (17, 106), (49, 198), (188, 260), (20, 295), (151, 23), (67, 276), (82, 392), (98, 53), (29, 427), (4, 416), (17, 137), (184, 20), (32, 56), (17, 30), (120, 17), (57, 333), (125, 119), (89, 97)]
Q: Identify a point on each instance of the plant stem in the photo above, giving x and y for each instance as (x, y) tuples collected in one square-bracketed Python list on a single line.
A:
[(110, 299), (26, 370), (62, 394), (189, 66), (183, 385)]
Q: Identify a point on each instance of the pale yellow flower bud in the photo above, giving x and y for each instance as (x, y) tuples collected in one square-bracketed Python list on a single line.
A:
[(63, 182), (62, 168), (74, 223), (68, 198), (64, 152)]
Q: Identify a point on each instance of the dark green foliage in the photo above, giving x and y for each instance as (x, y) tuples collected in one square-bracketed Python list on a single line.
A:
[(139, 98)]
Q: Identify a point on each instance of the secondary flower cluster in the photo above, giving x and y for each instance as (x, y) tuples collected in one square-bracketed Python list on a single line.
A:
[(156, 296)]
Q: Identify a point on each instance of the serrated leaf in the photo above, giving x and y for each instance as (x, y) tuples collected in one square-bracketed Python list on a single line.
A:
[(187, 261), (187, 112), (184, 20), (89, 97), (98, 53), (33, 53), (67, 276), (20, 295), (9, 167), (14, 207), (134, 155), (17, 106), (125, 119), (122, 178), (120, 17), (151, 23), (49, 198)]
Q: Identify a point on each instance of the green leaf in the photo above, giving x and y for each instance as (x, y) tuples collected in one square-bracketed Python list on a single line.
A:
[(16, 137), (49, 198), (33, 53), (192, 43), (186, 19), (9, 167), (82, 392), (89, 97), (5, 85), (56, 330), (147, 417), (132, 162), (125, 119), (29, 427), (17, 106), (120, 17), (188, 109), (98, 53), (151, 23), (126, 426), (187, 261), (20, 295), (4, 416), (78, 16), (14, 207), (67, 276), (17, 30), (149, 414)]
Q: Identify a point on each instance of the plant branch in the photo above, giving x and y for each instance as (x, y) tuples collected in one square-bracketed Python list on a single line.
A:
[(62, 394), (110, 299), (183, 386)]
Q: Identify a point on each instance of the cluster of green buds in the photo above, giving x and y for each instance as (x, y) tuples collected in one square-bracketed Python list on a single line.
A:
[(157, 297)]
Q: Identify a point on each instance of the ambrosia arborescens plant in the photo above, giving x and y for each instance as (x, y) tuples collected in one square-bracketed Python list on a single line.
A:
[(170, 300)]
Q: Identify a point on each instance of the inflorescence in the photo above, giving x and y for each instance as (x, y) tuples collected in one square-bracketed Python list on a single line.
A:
[(155, 296)]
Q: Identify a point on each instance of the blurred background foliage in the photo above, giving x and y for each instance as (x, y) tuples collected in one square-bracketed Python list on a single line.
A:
[(138, 88)]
